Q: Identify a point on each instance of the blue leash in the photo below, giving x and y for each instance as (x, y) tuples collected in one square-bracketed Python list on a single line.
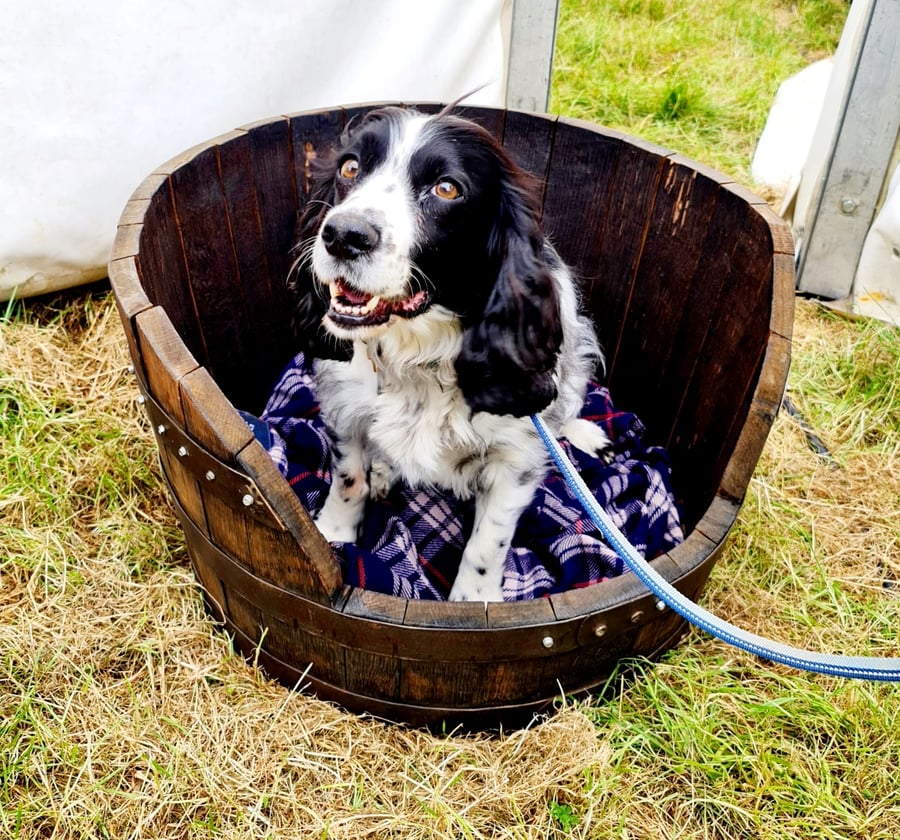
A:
[(855, 667)]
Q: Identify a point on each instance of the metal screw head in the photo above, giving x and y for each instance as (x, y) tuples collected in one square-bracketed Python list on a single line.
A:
[(600, 631), (547, 642), (210, 475), (849, 206), (141, 399), (636, 616), (161, 429), (182, 452), (660, 605), (247, 500)]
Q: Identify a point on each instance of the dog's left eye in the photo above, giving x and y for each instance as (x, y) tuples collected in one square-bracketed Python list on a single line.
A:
[(446, 190), (349, 168)]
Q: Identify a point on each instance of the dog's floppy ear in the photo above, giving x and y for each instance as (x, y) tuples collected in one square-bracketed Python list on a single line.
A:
[(508, 356), (309, 298)]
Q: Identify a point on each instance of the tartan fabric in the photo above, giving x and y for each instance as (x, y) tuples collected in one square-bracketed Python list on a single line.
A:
[(411, 542)]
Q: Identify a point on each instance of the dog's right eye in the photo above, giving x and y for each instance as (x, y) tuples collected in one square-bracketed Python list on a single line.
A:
[(446, 190), (349, 169)]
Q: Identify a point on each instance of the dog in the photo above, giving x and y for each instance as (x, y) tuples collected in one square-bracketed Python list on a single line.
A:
[(439, 317)]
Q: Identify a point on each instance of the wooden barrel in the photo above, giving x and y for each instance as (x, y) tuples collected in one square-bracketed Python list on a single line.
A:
[(690, 281)]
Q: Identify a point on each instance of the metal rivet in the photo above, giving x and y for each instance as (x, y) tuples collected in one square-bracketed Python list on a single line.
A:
[(141, 399), (210, 475), (131, 369), (600, 630), (660, 605), (849, 206), (161, 429), (182, 451), (247, 500), (636, 616), (547, 641)]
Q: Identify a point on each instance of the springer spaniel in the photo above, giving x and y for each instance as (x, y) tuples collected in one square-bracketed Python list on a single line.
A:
[(440, 318)]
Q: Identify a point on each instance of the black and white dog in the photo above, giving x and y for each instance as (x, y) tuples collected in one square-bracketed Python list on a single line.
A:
[(440, 318)]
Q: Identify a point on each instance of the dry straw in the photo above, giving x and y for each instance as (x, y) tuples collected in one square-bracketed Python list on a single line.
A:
[(124, 713)]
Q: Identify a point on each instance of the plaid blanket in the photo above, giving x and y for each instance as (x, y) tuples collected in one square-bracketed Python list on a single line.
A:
[(411, 542)]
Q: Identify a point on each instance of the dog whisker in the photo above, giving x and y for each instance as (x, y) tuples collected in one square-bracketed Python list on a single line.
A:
[(419, 279), (317, 201), (304, 258)]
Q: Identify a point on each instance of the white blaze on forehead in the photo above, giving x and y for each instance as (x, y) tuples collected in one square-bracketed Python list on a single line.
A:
[(391, 175), (386, 199)]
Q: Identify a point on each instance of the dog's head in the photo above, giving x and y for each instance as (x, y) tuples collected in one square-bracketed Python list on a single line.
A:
[(416, 212)]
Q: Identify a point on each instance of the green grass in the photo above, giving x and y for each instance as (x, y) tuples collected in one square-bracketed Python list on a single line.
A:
[(696, 77), (749, 754), (68, 462), (852, 383)]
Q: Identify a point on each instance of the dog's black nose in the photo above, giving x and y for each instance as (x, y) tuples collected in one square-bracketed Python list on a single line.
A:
[(348, 236)]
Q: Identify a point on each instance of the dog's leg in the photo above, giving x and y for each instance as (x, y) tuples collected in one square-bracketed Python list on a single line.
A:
[(343, 510), (505, 492)]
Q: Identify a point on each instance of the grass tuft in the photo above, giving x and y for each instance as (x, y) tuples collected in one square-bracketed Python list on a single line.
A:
[(851, 381)]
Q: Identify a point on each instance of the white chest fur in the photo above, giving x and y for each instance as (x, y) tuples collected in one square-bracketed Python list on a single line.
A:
[(425, 430), (420, 422)]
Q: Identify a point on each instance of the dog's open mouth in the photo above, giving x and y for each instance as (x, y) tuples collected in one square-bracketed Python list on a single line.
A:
[(353, 308)]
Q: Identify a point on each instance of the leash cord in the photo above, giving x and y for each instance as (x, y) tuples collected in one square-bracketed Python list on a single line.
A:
[(853, 667)]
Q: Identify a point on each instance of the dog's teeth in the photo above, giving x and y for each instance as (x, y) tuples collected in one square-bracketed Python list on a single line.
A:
[(356, 309)]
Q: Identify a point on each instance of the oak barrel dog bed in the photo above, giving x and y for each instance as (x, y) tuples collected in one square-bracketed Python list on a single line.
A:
[(690, 281)]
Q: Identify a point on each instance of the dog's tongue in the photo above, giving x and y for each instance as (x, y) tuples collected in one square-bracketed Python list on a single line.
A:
[(353, 296)]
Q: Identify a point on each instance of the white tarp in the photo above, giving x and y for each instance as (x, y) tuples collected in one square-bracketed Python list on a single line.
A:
[(783, 147), (96, 94), (876, 287)]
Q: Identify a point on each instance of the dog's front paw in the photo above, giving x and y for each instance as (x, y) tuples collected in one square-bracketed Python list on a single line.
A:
[(477, 584), (381, 480), (336, 529), (589, 438)]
